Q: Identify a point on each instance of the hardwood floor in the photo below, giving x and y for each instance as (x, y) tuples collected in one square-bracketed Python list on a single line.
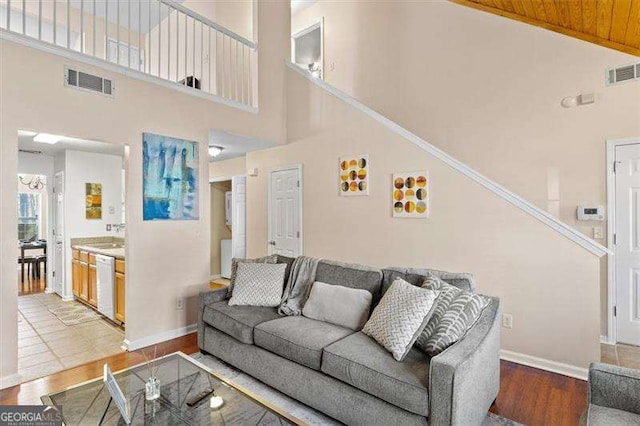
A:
[(31, 285), (527, 395)]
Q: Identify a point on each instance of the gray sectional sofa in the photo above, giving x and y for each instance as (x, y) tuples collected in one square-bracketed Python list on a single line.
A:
[(348, 375)]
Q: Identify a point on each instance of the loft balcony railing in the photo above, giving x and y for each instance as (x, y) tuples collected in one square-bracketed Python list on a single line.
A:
[(159, 38)]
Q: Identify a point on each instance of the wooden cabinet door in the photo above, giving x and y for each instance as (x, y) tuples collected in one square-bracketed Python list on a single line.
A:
[(93, 286), (119, 282), (76, 277), (84, 283)]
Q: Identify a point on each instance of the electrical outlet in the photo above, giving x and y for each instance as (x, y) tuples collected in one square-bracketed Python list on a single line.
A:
[(109, 228), (179, 303), (597, 233), (507, 320)]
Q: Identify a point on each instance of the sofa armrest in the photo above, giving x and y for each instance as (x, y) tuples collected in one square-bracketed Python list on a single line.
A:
[(206, 298), (614, 387), (464, 379)]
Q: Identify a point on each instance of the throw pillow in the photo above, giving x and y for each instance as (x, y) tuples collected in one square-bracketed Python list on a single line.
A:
[(234, 268), (456, 311), (258, 284), (400, 317), (335, 304)]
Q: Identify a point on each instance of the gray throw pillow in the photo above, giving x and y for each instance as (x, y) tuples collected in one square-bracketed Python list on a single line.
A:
[(258, 284), (456, 311), (400, 317), (335, 304), (234, 268)]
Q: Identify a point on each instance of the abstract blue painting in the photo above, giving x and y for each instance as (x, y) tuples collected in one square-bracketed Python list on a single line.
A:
[(170, 178)]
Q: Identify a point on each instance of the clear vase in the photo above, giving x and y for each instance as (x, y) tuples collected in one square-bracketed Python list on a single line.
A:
[(152, 389)]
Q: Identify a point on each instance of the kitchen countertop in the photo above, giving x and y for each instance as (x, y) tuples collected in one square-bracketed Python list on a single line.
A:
[(118, 252)]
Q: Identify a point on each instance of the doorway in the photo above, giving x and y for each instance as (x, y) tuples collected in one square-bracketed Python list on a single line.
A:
[(307, 49), (71, 205), (623, 196), (285, 211), (228, 225)]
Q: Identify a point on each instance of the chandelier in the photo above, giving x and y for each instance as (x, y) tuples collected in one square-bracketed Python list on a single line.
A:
[(35, 183)]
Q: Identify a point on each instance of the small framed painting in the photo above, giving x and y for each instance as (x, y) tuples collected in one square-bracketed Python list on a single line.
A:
[(93, 197), (354, 175), (411, 195)]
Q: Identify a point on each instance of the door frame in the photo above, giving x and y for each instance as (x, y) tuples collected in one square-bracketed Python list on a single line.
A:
[(63, 276), (299, 169), (612, 333)]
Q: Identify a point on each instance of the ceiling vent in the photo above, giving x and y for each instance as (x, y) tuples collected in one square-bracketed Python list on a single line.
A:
[(89, 82), (624, 73)]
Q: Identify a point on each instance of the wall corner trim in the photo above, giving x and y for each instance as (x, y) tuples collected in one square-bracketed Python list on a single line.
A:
[(545, 364), (10, 380), (133, 345), (502, 192)]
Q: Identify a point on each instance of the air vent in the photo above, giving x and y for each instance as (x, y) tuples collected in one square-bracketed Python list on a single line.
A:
[(88, 82), (624, 73)]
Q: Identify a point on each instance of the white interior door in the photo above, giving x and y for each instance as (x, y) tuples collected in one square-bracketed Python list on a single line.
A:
[(58, 235), (239, 208), (285, 212), (627, 248)]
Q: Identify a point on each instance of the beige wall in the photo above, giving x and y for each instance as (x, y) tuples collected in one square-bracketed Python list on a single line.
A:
[(487, 90), (164, 260), (549, 284), (219, 228), (228, 168)]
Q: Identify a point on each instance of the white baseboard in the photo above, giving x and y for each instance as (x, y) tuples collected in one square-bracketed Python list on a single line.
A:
[(68, 298), (606, 341), (132, 345), (215, 277), (545, 364), (11, 380)]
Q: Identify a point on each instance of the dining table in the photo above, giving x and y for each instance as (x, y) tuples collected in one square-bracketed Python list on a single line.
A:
[(30, 245)]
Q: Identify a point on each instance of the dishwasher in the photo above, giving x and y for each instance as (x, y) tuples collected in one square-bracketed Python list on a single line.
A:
[(105, 268)]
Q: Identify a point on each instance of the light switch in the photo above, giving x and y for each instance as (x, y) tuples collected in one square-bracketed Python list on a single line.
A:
[(598, 233), (112, 210)]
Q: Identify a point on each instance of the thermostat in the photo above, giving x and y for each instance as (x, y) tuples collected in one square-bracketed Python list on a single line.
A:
[(590, 212)]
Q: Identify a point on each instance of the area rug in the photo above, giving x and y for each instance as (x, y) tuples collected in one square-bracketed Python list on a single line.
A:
[(295, 408), (73, 313)]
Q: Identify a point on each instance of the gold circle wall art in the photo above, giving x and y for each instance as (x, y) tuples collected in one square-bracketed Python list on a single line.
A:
[(354, 175), (410, 195)]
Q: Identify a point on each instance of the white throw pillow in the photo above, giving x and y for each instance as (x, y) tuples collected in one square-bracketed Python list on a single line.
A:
[(258, 284), (339, 305), (400, 317)]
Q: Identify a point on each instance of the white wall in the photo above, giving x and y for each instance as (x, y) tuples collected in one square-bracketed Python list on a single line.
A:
[(41, 164), (82, 168)]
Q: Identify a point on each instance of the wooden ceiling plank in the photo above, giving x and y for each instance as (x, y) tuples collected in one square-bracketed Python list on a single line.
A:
[(589, 16), (488, 3), (538, 7), (556, 28), (552, 13), (632, 37), (529, 10), (619, 20), (575, 14), (518, 7), (603, 20), (564, 18)]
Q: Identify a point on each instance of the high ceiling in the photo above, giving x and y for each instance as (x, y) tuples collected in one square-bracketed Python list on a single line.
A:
[(610, 23)]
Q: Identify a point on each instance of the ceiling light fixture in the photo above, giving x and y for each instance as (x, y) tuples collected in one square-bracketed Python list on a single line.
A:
[(215, 150), (47, 138)]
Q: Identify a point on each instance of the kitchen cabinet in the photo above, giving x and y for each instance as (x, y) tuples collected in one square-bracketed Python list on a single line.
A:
[(93, 285), (76, 277), (119, 283)]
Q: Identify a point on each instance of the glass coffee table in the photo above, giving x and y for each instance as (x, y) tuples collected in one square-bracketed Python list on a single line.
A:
[(181, 378)]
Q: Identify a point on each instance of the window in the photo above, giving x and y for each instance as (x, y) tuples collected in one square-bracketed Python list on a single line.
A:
[(29, 215)]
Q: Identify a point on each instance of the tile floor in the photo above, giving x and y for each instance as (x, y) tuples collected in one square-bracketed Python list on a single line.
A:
[(622, 355), (46, 345)]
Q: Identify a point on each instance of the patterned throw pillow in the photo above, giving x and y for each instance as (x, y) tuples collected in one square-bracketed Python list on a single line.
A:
[(455, 312), (234, 268), (258, 284), (400, 317)]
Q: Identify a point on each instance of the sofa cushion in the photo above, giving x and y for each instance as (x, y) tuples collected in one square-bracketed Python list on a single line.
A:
[(298, 339), (415, 276), (234, 268), (350, 275), (258, 284), (605, 416), (339, 305), (237, 321), (361, 362)]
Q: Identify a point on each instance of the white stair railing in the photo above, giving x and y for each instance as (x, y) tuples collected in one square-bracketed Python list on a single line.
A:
[(160, 38)]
